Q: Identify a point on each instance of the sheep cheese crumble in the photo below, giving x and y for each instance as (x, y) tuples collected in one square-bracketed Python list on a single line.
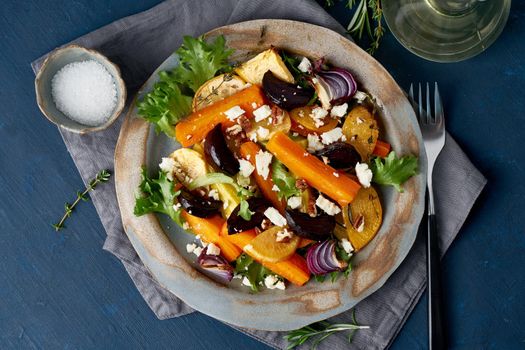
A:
[(318, 114), (364, 174), (339, 111), (213, 249), (327, 206), (168, 165), (273, 282), (346, 245), (262, 113), (234, 113), (275, 217), (245, 168), (305, 66), (294, 202), (313, 143), (262, 163), (332, 136)]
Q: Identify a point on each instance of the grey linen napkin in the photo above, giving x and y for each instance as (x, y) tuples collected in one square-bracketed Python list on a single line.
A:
[(138, 44)]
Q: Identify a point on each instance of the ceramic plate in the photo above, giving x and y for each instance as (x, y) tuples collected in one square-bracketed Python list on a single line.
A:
[(161, 243)]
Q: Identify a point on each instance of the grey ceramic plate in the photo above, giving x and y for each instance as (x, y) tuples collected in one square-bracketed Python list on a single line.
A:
[(161, 244)]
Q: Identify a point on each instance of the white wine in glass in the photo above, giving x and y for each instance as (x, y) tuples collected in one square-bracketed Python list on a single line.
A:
[(446, 30)]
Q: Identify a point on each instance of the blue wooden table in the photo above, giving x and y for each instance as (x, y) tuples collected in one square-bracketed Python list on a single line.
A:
[(60, 290)]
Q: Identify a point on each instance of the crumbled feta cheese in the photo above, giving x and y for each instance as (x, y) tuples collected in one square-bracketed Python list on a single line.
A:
[(234, 113), (360, 96), (263, 133), (262, 163), (327, 206), (253, 136), (245, 167), (190, 247), (168, 165), (325, 160), (262, 113), (234, 129), (336, 174), (294, 134), (186, 226), (283, 235), (254, 105), (246, 282), (275, 217), (214, 194), (364, 174), (213, 249), (176, 207), (294, 202), (197, 251), (275, 188), (339, 111), (318, 114), (313, 143), (332, 136), (305, 66), (274, 282), (346, 245)]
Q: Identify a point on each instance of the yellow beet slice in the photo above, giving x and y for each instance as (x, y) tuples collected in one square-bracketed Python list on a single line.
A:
[(361, 131), (264, 247)]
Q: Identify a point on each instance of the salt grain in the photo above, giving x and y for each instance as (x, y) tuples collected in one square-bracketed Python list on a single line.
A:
[(85, 92)]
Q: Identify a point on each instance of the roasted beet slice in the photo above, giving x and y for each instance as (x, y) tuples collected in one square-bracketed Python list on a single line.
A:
[(283, 94), (198, 206), (237, 224), (317, 228), (216, 148), (341, 155)]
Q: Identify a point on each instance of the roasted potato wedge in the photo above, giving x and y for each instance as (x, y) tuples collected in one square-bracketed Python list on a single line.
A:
[(253, 70), (216, 89), (361, 131)]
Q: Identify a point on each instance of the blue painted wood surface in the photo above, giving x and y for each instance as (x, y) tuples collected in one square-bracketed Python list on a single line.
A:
[(63, 291)]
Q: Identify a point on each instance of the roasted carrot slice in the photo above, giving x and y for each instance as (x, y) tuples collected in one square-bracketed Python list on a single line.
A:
[(294, 269), (381, 149), (209, 229), (196, 126), (324, 178), (248, 151)]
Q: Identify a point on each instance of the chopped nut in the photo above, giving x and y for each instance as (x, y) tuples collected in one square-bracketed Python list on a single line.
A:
[(359, 223)]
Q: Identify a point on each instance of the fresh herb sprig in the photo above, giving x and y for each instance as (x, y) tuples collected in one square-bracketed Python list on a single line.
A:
[(320, 331), (367, 13), (102, 176)]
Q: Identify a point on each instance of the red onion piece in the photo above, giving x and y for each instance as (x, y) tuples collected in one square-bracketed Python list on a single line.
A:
[(339, 83), (216, 265), (321, 258)]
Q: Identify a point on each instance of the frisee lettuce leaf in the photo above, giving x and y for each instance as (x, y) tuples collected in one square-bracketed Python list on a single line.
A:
[(393, 171), (165, 105), (252, 270), (157, 195), (170, 98), (284, 180), (244, 210), (200, 61)]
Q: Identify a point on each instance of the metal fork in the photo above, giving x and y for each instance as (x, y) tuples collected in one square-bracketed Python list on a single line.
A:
[(433, 130)]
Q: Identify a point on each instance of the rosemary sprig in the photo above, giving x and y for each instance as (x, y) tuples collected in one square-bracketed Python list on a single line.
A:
[(320, 331), (366, 12), (102, 176)]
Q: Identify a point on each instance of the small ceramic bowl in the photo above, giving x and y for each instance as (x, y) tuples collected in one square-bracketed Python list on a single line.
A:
[(53, 63)]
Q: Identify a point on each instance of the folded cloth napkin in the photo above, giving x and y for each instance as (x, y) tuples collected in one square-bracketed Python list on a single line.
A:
[(138, 44)]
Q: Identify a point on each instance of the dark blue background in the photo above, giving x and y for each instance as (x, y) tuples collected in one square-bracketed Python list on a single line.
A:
[(60, 290)]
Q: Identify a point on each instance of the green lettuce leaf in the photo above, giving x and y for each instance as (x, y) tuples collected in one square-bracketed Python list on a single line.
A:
[(170, 98), (200, 61), (284, 180), (252, 270), (157, 195), (394, 171)]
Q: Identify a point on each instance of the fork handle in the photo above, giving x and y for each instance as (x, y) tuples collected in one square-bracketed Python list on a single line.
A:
[(435, 324)]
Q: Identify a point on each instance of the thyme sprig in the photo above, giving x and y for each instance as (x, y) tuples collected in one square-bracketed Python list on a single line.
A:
[(320, 331), (102, 176), (367, 13)]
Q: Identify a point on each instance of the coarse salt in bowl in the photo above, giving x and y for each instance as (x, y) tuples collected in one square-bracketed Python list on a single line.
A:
[(80, 89)]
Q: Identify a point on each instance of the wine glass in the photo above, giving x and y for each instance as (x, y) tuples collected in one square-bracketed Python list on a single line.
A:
[(446, 30)]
